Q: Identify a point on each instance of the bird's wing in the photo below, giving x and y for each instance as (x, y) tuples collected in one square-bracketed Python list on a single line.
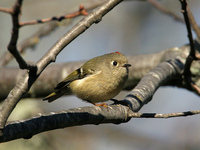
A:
[(77, 74), (60, 89)]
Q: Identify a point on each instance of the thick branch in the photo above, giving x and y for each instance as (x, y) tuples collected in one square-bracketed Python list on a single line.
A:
[(170, 115), (73, 117), (115, 114)]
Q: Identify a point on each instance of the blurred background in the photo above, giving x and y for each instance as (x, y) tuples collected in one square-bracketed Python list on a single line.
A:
[(133, 28)]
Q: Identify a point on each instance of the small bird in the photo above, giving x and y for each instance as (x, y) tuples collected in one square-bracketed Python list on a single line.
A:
[(98, 80)]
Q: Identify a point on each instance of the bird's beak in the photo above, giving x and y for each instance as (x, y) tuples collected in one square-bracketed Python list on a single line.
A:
[(126, 65)]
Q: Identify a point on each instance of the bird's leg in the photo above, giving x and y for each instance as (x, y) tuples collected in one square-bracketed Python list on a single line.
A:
[(101, 104)]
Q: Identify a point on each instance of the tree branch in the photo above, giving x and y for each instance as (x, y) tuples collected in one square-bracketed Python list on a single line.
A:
[(67, 118), (165, 72), (81, 11), (165, 116)]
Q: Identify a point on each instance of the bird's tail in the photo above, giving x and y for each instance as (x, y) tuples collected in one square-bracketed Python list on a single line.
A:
[(53, 96)]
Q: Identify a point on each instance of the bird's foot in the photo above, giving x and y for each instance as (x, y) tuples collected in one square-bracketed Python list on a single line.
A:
[(101, 104)]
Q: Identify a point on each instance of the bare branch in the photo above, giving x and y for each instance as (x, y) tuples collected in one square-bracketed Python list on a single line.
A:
[(165, 116), (29, 42), (82, 11), (115, 114), (67, 118), (6, 10)]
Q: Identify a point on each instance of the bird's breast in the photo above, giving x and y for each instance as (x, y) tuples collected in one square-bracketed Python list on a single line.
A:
[(96, 88)]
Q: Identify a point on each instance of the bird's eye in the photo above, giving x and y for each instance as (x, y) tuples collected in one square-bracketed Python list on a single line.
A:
[(114, 63)]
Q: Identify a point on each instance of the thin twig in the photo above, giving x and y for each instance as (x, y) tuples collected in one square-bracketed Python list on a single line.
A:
[(95, 115), (6, 10), (165, 116), (81, 11)]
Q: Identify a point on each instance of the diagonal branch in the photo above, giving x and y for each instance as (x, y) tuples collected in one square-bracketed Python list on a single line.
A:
[(67, 118), (28, 79)]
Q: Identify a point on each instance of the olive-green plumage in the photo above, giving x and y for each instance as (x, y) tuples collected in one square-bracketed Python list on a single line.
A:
[(98, 80)]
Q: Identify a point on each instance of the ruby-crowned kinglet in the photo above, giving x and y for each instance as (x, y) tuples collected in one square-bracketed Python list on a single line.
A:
[(98, 80)]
